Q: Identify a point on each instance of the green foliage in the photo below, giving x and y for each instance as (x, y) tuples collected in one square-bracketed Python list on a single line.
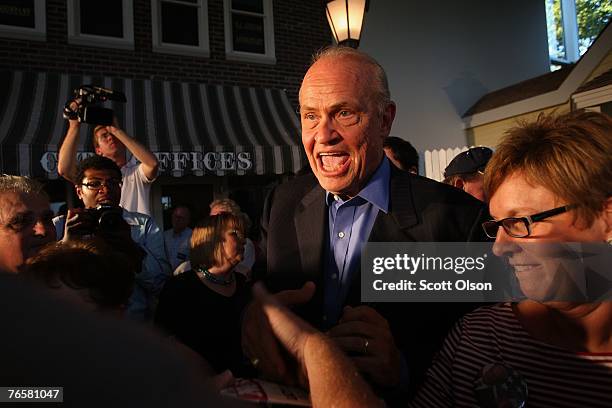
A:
[(591, 16)]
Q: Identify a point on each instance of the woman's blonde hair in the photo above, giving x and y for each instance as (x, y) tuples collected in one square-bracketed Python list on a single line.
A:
[(570, 155), (207, 239)]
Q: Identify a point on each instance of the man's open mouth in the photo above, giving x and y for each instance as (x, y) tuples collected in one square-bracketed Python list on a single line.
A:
[(333, 162)]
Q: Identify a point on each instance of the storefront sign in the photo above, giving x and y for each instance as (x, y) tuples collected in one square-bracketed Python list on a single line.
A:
[(187, 162)]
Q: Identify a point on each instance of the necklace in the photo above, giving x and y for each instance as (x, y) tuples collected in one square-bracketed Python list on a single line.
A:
[(213, 279)]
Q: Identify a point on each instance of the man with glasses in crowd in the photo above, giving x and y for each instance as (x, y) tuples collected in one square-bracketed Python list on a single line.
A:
[(99, 187)]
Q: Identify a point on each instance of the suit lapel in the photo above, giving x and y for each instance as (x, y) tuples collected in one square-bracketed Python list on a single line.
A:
[(391, 227), (310, 224), (402, 215)]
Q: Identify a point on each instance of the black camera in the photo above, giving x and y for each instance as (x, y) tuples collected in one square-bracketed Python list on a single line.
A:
[(104, 218), (87, 98)]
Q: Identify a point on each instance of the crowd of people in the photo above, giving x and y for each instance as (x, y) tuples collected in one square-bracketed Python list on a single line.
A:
[(288, 308)]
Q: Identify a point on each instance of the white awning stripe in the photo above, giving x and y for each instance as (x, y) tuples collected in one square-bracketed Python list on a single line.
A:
[(165, 116)]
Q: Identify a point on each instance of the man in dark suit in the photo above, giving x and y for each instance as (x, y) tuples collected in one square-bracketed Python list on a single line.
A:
[(315, 226)]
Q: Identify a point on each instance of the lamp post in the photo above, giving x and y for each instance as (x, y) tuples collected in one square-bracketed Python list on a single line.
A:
[(345, 18)]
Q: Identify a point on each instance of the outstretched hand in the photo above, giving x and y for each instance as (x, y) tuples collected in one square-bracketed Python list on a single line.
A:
[(267, 318)]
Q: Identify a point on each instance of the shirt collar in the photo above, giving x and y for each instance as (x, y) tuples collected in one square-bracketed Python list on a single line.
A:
[(376, 192)]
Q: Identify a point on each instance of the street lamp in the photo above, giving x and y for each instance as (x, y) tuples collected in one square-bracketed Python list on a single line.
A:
[(345, 18)]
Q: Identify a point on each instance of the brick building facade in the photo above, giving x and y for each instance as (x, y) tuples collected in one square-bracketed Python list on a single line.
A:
[(184, 103), (300, 28)]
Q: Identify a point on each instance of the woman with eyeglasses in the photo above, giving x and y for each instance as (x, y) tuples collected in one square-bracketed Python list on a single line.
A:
[(202, 307), (549, 183)]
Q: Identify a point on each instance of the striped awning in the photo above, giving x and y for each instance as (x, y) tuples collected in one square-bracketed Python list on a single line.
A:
[(193, 128)]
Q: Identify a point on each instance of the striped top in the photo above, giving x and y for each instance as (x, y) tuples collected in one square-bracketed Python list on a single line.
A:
[(555, 377)]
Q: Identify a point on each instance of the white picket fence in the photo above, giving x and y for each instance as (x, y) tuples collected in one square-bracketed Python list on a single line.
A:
[(435, 161)]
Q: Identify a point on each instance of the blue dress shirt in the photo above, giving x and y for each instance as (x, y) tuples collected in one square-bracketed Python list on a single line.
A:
[(350, 224)]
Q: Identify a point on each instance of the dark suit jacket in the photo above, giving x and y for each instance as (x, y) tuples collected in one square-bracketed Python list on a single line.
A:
[(295, 233)]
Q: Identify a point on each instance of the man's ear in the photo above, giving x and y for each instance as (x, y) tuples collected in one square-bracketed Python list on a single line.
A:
[(79, 191), (459, 183), (388, 116)]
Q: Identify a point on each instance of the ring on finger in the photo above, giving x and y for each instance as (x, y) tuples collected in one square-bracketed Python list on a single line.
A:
[(254, 361), (366, 343)]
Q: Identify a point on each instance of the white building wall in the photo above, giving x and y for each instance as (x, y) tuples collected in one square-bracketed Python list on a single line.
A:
[(442, 56)]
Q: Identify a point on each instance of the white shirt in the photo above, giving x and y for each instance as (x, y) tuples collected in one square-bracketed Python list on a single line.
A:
[(136, 190)]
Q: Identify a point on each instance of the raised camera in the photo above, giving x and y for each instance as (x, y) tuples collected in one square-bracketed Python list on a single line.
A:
[(88, 97)]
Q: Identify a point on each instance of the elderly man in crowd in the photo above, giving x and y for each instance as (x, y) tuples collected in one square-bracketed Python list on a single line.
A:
[(25, 221), (466, 171), (99, 186), (315, 227)]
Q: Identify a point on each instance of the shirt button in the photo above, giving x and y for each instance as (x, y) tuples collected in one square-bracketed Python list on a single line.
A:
[(334, 276), (324, 318), (341, 234)]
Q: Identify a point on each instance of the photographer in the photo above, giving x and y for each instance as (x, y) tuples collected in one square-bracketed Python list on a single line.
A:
[(112, 142), (134, 234)]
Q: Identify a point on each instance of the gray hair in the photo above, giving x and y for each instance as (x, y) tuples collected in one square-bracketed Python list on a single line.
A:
[(21, 184), (381, 85), (233, 206)]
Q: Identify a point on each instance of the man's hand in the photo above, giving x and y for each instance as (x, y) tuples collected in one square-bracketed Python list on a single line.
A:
[(71, 111), (147, 159), (366, 335), (258, 339), (77, 224), (289, 329)]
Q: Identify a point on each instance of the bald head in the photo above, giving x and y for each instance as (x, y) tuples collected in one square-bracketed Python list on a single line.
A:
[(372, 75)]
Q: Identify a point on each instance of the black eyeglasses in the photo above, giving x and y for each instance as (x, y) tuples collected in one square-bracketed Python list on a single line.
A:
[(97, 184), (520, 227)]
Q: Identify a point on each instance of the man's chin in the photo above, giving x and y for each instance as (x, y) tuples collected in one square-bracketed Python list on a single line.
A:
[(337, 186)]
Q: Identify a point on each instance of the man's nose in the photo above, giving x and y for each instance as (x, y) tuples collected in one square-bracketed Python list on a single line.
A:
[(105, 187), (327, 132), (42, 228)]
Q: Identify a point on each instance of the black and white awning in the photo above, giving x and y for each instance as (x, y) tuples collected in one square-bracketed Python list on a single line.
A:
[(192, 128)]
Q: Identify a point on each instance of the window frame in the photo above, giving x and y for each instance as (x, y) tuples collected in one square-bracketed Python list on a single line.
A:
[(268, 18), (78, 38), (38, 33), (203, 50)]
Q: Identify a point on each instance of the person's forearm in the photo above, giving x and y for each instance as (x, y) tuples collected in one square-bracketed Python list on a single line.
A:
[(334, 380), (66, 163), (144, 155)]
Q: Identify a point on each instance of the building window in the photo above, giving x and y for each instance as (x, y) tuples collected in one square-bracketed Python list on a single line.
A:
[(108, 23), (249, 31), (573, 25), (24, 19), (192, 18)]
